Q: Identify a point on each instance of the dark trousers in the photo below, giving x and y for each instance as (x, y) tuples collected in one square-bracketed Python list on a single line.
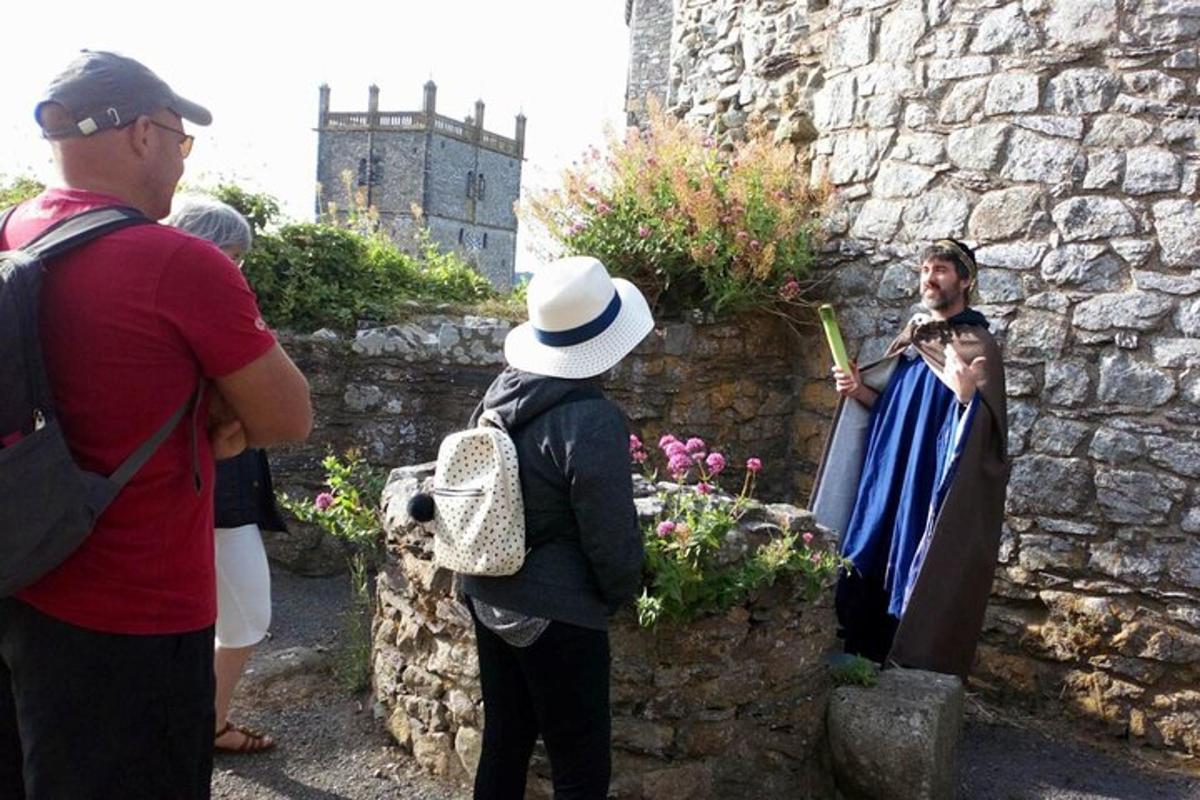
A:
[(558, 687), (863, 619), (96, 716)]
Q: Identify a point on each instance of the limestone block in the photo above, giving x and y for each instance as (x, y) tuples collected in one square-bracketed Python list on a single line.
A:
[(963, 102), (1067, 382), (899, 33), (928, 149), (1005, 30), (1037, 335), (1115, 446), (1005, 213), (1151, 169), (1048, 485), (1000, 286), (1089, 266), (1177, 223), (1124, 380), (850, 45), (1051, 125), (1185, 285), (1187, 318), (834, 103), (1082, 218), (1104, 169), (1030, 157), (1141, 311), (937, 214), (899, 739), (1050, 552), (978, 147), (1180, 456), (1081, 23), (1011, 93), (1135, 496), (1059, 437), (1118, 130), (1013, 255), (878, 219), (468, 746), (898, 179), (1082, 91), (1021, 417)]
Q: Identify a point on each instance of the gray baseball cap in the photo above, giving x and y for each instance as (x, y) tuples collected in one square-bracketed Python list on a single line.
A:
[(105, 90)]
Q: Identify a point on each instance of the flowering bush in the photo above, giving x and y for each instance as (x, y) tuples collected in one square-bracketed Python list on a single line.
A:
[(692, 225), (686, 575), (350, 511)]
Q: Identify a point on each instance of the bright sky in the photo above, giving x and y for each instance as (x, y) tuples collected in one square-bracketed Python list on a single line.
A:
[(256, 64)]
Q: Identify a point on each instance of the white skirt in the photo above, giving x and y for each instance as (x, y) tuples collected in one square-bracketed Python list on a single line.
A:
[(243, 587)]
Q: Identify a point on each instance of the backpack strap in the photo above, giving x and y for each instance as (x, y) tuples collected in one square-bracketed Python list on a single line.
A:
[(57, 239), (490, 419), (71, 232), (138, 458), (4, 215)]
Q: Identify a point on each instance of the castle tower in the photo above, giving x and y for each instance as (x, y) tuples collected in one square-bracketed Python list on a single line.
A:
[(464, 178)]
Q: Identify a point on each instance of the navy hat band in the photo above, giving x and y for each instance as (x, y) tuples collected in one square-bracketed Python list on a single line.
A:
[(586, 331)]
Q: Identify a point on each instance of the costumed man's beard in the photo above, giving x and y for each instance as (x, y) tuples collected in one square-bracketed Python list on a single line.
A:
[(935, 298)]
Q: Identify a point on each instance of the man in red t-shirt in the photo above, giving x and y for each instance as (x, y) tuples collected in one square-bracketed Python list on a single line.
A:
[(106, 685)]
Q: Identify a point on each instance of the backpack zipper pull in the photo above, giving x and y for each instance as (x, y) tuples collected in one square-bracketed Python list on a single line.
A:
[(39, 419)]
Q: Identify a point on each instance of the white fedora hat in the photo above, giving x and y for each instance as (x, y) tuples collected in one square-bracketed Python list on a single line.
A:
[(581, 321)]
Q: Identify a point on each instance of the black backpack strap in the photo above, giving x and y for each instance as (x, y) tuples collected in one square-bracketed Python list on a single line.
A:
[(57, 239), (71, 232)]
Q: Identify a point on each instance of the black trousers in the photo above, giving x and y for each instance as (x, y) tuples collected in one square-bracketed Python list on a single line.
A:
[(863, 619), (556, 687), (96, 716)]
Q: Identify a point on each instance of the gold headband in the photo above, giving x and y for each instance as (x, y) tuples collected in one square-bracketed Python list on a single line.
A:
[(968, 262)]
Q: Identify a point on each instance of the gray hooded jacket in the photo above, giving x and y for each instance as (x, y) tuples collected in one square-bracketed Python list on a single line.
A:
[(585, 547)]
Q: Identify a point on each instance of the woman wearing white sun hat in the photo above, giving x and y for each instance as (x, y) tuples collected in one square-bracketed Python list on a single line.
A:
[(542, 634)]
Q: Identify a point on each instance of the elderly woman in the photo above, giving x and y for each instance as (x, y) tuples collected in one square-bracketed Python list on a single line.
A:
[(245, 504)]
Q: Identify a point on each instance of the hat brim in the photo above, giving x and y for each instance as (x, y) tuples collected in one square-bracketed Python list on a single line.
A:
[(192, 112), (587, 359)]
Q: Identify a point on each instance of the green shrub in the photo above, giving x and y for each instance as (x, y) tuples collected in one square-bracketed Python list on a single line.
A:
[(692, 225), (260, 210), (17, 189)]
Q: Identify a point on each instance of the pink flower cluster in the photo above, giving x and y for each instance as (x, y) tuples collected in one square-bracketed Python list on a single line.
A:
[(693, 454), (790, 290), (637, 450), (323, 501)]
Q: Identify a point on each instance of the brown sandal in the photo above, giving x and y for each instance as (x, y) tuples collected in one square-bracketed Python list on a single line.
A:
[(252, 741)]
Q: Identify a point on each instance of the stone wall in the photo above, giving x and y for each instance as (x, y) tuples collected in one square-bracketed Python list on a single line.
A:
[(1059, 137), (395, 392), (730, 706)]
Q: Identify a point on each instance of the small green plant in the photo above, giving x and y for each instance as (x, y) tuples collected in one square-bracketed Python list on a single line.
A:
[(260, 210), (854, 671), (350, 511), (685, 577)]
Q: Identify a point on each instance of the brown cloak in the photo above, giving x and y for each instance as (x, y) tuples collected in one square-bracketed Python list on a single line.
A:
[(944, 614)]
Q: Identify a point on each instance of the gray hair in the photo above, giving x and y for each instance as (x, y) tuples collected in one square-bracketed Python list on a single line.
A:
[(213, 220)]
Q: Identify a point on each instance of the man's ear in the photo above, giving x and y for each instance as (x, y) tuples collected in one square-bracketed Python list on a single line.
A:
[(138, 135)]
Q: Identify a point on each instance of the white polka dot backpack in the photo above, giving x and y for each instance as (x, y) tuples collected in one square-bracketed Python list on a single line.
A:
[(479, 522)]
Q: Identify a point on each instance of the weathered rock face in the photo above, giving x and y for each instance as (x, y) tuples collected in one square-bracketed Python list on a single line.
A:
[(729, 706), (395, 392), (1062, 138)]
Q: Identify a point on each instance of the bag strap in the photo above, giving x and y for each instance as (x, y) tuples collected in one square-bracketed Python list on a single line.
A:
[(57, 239), (71, 232), (138, 458)]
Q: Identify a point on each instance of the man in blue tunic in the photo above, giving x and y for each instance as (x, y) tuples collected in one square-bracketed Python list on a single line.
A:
[(920, 528)]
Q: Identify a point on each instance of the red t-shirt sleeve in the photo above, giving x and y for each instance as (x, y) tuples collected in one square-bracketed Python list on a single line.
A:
[(203, 295)]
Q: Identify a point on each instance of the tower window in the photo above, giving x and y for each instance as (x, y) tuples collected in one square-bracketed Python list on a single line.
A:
[(485, 241), (460, 235), (480, 185), (471, 183), (363, 176)]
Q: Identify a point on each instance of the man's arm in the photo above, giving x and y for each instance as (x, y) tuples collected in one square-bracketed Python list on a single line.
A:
[(269, 397)]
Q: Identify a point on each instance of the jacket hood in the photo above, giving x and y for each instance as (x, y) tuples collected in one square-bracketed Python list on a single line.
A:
[(519, 396)]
